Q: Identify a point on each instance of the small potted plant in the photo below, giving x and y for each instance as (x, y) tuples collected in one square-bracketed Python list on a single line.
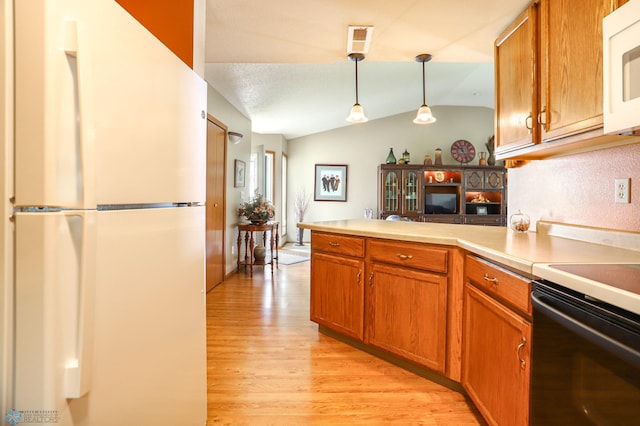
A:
[(257, 210)]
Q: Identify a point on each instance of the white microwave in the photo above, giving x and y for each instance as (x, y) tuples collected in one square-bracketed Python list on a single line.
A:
[(621, 69)]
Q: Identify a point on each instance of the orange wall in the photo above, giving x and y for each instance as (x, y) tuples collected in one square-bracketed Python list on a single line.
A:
[(171, 21), (579, 189)]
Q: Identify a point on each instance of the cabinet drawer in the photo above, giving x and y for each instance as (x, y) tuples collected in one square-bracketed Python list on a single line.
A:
[(338, 244), (505, 285), (483, 220), (408, 254)]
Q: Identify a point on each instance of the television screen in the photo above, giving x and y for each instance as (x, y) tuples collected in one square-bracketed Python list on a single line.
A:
[(440, 203)]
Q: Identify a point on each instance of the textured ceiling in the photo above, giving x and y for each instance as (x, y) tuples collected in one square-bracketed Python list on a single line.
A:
[(284, 65)]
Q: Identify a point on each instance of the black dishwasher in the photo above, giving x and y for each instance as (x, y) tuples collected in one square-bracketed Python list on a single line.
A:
[(585, 360)]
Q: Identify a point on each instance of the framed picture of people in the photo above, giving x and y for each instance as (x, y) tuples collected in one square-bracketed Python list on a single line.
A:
[(331, 182)]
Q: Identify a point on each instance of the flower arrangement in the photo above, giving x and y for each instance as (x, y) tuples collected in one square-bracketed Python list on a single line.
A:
[(257, 209)]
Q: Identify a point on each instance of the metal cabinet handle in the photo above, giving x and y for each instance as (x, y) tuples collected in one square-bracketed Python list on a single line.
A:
[(540, 115), (404, 256), (526, 123), (522, 344), (371, 280), (332, 244), (491, 280), (358, 276)]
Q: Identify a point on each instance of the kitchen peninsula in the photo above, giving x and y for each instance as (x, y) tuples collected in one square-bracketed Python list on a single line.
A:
[(446, 298)]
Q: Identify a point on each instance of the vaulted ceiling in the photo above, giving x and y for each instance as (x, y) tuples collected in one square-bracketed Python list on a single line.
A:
[(283, 63)]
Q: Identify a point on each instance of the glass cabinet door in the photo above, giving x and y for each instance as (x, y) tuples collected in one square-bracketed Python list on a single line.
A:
[(411, 188), (391, 193)]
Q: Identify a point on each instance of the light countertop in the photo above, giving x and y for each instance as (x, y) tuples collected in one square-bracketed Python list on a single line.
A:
[(518, 251)]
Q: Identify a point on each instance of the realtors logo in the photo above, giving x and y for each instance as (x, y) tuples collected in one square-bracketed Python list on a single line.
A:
[(13, 417)]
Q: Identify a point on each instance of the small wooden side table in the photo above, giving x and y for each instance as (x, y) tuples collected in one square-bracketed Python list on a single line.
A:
[(246, 232)]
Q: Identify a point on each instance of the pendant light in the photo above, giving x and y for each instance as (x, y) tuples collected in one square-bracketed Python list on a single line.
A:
[(357, 112), (424, 115)]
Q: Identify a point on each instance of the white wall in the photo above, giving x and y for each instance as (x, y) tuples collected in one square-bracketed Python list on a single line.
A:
[(277, 144), (365, 146), (223, 111)]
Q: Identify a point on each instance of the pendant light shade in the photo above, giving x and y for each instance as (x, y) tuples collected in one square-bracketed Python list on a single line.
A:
[(357, 112), (424, 115)]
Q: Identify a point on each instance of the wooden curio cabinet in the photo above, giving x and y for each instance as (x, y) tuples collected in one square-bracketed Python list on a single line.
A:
[(484, 196), (400, 191), (444, 194)]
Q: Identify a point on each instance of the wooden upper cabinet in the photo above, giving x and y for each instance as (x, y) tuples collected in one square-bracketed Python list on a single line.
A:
[(571, 66), (548, 67), (516, 100)]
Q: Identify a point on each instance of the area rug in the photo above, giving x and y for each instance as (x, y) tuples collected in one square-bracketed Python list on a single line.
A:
[(289, 258)]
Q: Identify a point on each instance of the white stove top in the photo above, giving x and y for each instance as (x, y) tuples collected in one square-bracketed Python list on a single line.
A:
[(616, 284)]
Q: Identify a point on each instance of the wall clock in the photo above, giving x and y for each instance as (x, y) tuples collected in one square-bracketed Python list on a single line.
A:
[(463, 151)]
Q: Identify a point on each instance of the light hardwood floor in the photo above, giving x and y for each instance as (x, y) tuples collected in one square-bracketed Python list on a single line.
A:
[(268, 364)]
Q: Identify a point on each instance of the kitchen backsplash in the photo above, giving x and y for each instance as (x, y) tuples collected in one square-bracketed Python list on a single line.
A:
[(579, 189)]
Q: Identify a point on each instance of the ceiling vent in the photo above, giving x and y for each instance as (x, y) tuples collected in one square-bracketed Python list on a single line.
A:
[(359, 38)]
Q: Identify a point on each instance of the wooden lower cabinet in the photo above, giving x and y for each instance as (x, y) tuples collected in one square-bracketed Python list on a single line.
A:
[(437, 307), (407, 314), (337, 293), (496, 359)]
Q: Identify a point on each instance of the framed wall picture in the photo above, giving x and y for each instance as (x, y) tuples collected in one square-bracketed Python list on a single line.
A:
[(238, 173), (330, 182)]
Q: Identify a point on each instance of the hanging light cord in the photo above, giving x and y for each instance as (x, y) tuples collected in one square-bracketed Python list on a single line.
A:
[(356, 81), (424, 87)]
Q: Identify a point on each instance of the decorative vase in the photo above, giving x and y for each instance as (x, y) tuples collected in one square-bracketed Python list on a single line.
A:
[(438, 161), (406, 156), (519, 222), (300, 240), (259, 254), (427, 159), (391, 159), (257, 220), (491, 161), (483, 159)]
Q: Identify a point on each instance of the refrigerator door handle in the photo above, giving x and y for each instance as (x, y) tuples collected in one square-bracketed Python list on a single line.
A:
[(78, 369), (78, 65)]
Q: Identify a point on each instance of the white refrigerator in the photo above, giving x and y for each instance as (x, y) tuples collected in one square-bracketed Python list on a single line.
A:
[(102, 298)]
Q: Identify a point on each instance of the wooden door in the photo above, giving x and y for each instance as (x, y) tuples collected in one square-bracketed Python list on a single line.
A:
[(571, 66), (337, 294), (516, 84), (215, 201), (496, 359), (407, 314)]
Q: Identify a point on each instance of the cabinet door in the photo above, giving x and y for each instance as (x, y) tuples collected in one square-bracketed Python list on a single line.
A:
[(571, 66), (495, 359), (473, 179), (406, 314), (412, 191), (337, 293), (494, 179), (391, 181), (516, 84)]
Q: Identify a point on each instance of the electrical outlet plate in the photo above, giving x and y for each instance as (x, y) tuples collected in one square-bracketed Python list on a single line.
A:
[(622, 190)]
